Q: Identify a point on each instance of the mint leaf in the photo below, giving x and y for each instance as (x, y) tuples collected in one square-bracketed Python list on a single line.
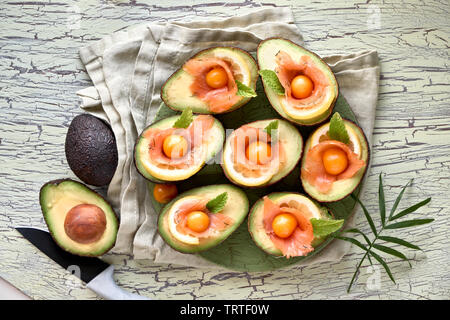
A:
[(337, 130), (245, 91), (323, 227), (271, 126), (270, 78), (216, 205), (185, 119)]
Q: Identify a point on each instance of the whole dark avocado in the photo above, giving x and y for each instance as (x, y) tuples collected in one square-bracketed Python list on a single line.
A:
[(91, 150)]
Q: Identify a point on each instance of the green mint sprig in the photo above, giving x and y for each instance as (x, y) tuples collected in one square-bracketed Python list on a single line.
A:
[(272, 126), (325, 227), (337, 130), (387, 223), (185, 119), (244, 90), (270, 78), (218, 203)]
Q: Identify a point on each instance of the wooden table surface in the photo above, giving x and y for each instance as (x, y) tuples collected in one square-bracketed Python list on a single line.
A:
[(40, 73)]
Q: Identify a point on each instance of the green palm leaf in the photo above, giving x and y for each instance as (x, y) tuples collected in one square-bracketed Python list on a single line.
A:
[(408, 223), (355, 230), (352, 240), (359, 244), (367, 214), (391, 251), (381, 202), (410, 209), (397, 201), (383, 263), (399, 241), (383, 248)]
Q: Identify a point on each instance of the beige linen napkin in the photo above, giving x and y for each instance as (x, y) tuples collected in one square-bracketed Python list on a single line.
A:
[(128, 69)]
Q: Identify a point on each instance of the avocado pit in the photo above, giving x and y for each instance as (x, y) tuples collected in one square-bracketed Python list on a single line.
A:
[(85, 223)]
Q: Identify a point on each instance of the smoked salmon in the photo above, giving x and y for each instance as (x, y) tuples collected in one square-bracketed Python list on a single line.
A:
[(195, 134), (219, 100), (299, 242), (314, 171), (217, 222), (243, 137), (287, 69)]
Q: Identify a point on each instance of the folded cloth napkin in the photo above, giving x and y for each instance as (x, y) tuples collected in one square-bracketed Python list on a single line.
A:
[(128, 69)]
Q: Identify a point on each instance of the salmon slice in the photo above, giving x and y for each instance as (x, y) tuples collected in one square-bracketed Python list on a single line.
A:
[(287, 69), (218, 100), (314, 171), (217, 221), (195, 134), (299, 242), (244, 136)]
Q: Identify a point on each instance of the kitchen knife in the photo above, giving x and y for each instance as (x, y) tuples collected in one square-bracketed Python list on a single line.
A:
[(97, 274)]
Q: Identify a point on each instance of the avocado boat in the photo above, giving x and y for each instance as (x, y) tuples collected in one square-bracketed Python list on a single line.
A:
[(187, 224), (331, 170), (80, 220), (308, 86), (278, 224), (254, 158), (163, 153), (207, 82)]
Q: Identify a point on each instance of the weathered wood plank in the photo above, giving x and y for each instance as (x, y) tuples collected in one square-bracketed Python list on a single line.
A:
[(40, 73)]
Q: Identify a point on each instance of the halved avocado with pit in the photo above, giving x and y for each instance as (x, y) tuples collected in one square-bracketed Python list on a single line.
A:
[(80, 220), (266, 56), (176, 92), (143, 162), (287, 134), (236, 208), (340, 188), (256, 219)]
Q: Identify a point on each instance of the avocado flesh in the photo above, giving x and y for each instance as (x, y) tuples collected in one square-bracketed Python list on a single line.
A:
[(91, 150), (236, 207), (292, 142), (256, 225), (176, 92), (57, 198), (340, 188), (216, 137), (266, 53)]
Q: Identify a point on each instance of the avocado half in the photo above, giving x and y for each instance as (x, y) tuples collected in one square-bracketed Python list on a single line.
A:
[(266, 53), (340, 188), (236, 207), (176, 92), (292, 142), (256, 219), (75, 235), (216, 137), (91, 150)]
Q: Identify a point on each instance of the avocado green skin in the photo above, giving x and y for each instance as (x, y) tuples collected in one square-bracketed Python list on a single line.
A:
[(270, 181), (136, 157), (91, 150), (346, 194), (165, 234), (145, 175), (233, 108), (327, 115), (55, 238), (276, 252)]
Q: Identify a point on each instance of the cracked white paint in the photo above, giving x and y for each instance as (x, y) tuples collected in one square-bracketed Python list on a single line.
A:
[(40, 73)]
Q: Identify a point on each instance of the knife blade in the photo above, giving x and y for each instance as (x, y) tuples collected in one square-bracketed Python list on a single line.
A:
[(97, 274)]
